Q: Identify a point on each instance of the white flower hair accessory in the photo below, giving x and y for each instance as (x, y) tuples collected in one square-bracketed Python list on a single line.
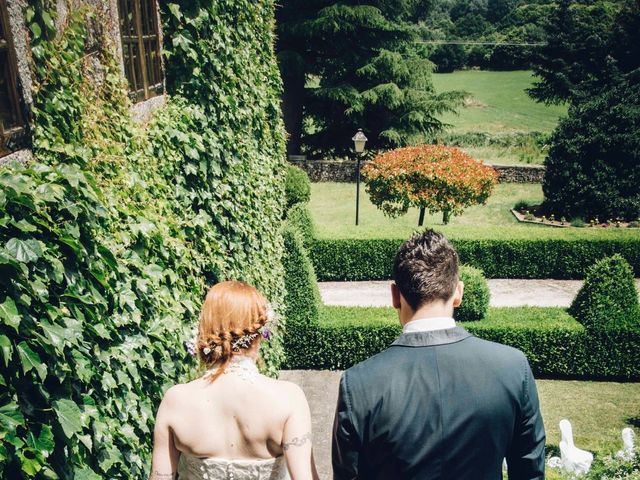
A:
[(241, 342)]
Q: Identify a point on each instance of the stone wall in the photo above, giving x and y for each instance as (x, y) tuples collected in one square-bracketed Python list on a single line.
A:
[(103, 27), (345, 171)]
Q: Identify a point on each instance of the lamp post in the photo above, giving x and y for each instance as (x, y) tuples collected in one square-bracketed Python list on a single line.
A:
[(359, 141)]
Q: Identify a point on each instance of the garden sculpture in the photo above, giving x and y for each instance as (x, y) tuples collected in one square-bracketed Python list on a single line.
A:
[(574, 460), (628, 451)]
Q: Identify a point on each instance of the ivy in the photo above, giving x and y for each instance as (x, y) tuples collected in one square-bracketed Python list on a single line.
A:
[(109, 239)]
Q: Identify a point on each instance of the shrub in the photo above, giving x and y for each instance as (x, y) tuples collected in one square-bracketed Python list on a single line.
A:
[(297, 186), (434, 178), (299, 217), (522, 204), (345, 259), (593, 166), (608, 297), (475, 301), (554, 343), (302, 297)]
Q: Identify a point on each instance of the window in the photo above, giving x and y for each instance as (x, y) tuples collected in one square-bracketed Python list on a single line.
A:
[(141, 47), (13, 135)]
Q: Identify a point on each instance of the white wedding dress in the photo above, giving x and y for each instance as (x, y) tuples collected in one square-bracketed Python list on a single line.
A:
[(213, 468), (194, 468)]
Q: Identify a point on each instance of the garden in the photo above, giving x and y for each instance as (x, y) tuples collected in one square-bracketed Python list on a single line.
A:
[(135, 196)]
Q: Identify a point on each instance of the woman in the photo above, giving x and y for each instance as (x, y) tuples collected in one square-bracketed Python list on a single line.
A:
[(233, 423)]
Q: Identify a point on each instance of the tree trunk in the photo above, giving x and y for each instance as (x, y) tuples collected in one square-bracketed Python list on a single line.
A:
[(421, 218), (446, 216)]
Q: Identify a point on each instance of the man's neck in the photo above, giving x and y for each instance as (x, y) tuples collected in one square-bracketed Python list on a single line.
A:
[(433, 310)]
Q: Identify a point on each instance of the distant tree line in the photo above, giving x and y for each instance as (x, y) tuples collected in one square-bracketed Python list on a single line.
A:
[(505, 22)]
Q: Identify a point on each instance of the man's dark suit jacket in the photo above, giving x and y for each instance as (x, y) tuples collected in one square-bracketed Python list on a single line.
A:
[(439, 405)]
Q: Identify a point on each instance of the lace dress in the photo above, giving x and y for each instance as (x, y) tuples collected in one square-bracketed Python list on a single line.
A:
[(194, 468), (210, 468)]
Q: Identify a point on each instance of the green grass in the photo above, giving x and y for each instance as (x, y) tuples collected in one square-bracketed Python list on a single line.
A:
[(597, 410), (499, 155), (333, 209), (498, 103)]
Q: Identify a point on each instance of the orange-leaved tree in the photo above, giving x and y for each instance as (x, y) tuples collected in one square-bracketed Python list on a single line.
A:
[(434, 178)]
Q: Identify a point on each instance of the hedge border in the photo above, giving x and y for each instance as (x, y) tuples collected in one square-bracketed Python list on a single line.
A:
[(553, 352), (349, 259)]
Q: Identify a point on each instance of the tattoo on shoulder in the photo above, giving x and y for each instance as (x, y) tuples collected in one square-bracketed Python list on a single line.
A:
[(297, 441)]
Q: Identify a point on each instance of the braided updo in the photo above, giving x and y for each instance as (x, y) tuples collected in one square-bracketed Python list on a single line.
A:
[(231, 310)]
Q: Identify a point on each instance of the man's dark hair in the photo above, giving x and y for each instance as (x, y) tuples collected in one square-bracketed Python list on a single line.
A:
[(426, 269)]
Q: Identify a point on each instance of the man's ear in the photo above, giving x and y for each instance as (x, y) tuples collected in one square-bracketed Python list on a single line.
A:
[(457, 294), (395, 296)]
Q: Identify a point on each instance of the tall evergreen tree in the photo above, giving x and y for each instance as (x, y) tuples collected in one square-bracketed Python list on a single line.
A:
[(577, 55), (593, 167), (370, 74)]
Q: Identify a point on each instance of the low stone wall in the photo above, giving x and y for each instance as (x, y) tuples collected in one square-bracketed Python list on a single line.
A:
[(345, 171)]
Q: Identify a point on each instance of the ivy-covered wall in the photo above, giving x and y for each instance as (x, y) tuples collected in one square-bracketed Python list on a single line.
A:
[(110, 236)]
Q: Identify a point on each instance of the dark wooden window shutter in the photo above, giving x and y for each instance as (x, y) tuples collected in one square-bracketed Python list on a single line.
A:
[(141, 47)]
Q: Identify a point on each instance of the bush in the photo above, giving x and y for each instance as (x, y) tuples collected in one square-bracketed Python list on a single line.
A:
[(345, 259), (593, 166), (475, 301), (554, 343), (297, 186), (434, 178), (299, 217), (608, 298), (302, 296)]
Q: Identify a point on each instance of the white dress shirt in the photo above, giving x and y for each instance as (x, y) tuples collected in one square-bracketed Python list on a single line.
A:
[(428, 324)]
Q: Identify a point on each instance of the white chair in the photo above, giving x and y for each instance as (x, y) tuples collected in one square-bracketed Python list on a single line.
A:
[(628, 451), (574, 460)]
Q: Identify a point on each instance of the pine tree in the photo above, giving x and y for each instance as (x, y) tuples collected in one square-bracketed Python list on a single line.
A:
[(370, 73)]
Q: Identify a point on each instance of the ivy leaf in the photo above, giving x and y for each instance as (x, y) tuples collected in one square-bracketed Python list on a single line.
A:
[(31, 360), (5, 348), (35, 30), (9, 313), (10, 417), (175, 10), (68, 415), (86, 473), (43, 443), (24, 250)]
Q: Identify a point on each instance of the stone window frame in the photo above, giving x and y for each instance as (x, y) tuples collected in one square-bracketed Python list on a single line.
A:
[(140, 32), (16, 136)]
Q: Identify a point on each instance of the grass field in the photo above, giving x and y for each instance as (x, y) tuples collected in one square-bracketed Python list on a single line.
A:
[(597, 410), (498, 103), (333, 208)]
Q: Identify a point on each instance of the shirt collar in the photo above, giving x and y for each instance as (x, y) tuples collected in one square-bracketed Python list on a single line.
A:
[(429, 324)]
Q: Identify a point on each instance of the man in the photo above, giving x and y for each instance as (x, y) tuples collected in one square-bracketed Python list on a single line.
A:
[(439, 403)]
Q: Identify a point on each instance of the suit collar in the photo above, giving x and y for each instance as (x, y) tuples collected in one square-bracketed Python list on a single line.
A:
[(431, 338)]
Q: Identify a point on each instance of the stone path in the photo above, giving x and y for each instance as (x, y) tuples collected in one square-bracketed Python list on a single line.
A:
[(504, 293)]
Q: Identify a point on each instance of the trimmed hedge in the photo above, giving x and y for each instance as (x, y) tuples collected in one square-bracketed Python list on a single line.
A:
[(608, 297), (299, 216), (297, 185), (475, 301), (302, 296), (554, 343), (344, 259)]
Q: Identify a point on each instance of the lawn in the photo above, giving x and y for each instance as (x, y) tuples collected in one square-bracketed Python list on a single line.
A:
[(597, 410), (333, 209), (498, 103)]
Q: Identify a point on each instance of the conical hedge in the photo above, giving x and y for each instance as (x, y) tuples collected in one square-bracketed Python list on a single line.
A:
[(608, 298)]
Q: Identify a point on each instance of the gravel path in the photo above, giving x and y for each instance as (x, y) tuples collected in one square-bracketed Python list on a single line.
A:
[(504, 293)]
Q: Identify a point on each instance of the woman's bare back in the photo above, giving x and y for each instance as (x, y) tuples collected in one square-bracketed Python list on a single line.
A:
[(233, 417), (242, 415)]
